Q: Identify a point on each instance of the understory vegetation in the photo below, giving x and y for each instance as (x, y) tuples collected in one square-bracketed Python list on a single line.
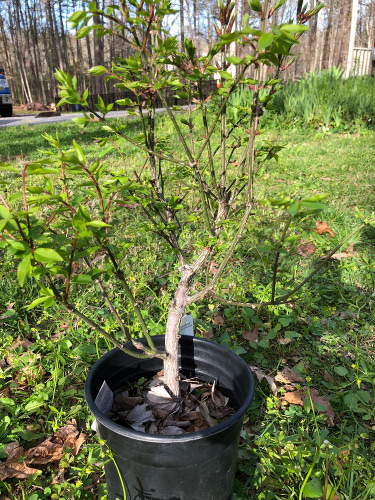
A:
[(305, 443), (322, 101)]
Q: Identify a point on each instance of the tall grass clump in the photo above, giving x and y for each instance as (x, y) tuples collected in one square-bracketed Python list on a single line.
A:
[(326, 99)]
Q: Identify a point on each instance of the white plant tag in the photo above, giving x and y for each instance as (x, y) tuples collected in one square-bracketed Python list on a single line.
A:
[(94, 426), (104, 399), (187, 326)]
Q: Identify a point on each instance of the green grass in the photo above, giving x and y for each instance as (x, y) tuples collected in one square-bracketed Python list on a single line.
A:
[(329, 329)]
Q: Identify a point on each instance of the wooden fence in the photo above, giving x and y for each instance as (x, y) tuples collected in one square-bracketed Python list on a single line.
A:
[(361, 62)]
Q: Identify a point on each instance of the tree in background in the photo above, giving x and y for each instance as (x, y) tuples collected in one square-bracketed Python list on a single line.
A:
[(35, 39)]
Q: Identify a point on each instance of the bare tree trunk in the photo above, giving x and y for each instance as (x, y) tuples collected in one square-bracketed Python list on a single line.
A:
[(195, 23), (327, 36), (88, 46), (31, 53), (8, 59), (189, 19), (182, 26), (209, 25), (175, 314), (98, 56), (312, 39), (19, 51), (341, 33), (55, 32)]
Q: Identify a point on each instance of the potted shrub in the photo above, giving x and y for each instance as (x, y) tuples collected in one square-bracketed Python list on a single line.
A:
[(193, 191)]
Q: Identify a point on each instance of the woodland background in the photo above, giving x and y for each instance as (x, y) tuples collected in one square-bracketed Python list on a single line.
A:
[(35, 39)]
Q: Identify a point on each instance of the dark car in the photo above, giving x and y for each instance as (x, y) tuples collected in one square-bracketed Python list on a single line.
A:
[(6, 106)]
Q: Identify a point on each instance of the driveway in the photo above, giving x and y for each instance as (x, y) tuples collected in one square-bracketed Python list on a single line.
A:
[(29, 120)]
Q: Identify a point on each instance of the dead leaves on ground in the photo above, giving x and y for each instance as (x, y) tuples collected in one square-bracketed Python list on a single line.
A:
[(20, 462), (298, 398), (349, 252), (306, 249), (289, 378), (252, 335), (322, 227)]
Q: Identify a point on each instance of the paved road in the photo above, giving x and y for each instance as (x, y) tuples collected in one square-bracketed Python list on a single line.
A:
[(29, 120)]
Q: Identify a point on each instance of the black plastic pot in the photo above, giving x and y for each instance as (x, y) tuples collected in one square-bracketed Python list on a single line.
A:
[(194, 466)]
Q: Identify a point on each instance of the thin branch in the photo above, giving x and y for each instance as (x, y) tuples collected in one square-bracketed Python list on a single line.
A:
[(70, 266), (135, 143), (286, 227), (199, 295)]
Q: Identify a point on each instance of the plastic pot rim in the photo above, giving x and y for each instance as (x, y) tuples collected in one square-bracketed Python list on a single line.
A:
[(157, 438)]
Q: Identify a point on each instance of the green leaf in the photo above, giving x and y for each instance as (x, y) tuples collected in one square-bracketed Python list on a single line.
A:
[(97, 223), (79, 153), (24, 269), (265, 41), (125, 102), (340, 370), (77, 16), (351, 401), (225, 75), (234, 60), (239, 350), (36, 302), (6, 167), (97, 70), (255, 5), (314, 205), (17, 245), (48, 303), (294, 208), (82, 279), (230, 37), (313, 489), (293, 28), (83, 32), (47, 255)]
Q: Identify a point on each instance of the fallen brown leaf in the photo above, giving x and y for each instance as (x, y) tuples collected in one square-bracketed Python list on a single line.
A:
[(318, 399), (294, 398), (297, 398), (341, 255), (306, 249), (261, 375), (24, 343), (219, 320), (213, 269), (12, 467), (348, 315), (322, 227), (208, 335), (328, 378), (284, 341), (126, 205), (350, 247), (252, 335), (53, 448), (288, 376), (59, 478)]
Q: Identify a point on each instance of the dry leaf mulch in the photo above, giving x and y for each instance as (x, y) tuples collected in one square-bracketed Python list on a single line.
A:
[(152, 409), (22, 463), (289, 378)]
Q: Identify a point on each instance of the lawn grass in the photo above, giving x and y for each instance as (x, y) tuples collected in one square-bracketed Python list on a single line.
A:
[(327, 336)]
